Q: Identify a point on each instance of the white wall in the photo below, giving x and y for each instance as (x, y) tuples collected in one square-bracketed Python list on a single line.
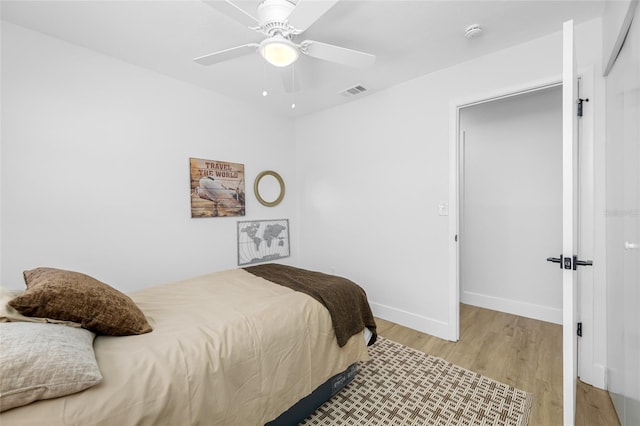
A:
[(95, 171), (372, 173), (511, 207)]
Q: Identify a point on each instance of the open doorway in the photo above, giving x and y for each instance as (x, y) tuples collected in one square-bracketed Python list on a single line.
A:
[(510, 203), (590, 368)]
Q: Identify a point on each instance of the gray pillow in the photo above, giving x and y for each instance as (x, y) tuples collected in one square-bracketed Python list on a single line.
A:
[(42, 361)]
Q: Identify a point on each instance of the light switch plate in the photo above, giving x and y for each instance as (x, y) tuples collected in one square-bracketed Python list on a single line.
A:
[(443, 209)]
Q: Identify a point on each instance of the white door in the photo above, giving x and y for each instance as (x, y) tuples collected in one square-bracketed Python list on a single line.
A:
[(623, 228), (569, 293), (568, 259)]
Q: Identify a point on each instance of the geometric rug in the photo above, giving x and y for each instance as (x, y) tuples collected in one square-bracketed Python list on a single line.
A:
[(402, 386)]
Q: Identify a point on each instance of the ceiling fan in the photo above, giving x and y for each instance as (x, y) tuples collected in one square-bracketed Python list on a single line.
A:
[(282, 21)]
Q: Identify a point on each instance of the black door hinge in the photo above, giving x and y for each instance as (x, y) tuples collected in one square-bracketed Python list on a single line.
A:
[(579, 331), (580, 101)]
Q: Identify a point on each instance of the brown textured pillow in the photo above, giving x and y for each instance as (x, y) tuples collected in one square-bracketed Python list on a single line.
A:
[(72, 296), (9, 314)]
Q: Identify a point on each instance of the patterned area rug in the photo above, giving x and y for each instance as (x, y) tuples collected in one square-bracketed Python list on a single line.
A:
[(403, 386)]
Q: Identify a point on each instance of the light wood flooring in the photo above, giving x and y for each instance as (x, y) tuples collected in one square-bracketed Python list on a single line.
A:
[(521, 352)]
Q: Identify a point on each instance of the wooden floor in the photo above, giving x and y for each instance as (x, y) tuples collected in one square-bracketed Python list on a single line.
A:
[(522, 352)]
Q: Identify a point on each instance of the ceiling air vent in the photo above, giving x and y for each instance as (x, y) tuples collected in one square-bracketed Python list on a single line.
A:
[(355, 90)]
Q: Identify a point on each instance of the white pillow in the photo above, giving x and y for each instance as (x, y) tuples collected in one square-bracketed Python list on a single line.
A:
[(42, 361)]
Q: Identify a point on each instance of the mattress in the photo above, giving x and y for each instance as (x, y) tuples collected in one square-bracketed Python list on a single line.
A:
[(227, 348)]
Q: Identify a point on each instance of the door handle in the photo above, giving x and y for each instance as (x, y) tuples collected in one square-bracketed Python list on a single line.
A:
[(577, 262), (555, 260), (630, 246), (569, 263)]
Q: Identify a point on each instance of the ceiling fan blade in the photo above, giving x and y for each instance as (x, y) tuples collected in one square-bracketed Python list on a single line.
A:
[(233, 11), (307, 12), (225, 55), (340, 55)]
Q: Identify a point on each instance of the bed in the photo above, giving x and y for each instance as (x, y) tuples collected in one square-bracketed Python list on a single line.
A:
[(227, 348)]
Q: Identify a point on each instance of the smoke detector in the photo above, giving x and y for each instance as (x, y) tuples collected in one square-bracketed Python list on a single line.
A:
[(472, 31)]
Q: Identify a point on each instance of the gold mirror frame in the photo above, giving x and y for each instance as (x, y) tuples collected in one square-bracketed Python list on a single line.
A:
[(256, 191)]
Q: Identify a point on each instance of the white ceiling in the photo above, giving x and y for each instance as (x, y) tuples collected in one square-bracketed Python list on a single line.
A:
[(409, 38)]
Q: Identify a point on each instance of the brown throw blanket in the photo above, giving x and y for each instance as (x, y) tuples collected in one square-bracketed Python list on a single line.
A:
[(346, 301)]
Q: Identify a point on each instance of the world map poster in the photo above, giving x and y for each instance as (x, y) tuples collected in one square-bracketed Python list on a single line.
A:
[(217, 188), (262, 241)]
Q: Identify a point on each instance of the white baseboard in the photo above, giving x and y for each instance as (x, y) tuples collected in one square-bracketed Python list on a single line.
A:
[(515, 307), (597, 377), (409, 319)]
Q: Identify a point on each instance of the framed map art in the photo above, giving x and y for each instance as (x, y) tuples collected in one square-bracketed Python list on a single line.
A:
[(262, 241)]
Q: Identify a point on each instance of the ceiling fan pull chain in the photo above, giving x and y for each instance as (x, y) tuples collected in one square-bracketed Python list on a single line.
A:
[(293, 86)]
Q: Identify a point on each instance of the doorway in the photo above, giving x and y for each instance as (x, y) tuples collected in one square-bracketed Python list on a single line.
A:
[(510, 203)]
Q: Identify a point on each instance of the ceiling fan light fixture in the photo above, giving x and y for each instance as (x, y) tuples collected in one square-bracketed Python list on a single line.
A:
[(279, 51)]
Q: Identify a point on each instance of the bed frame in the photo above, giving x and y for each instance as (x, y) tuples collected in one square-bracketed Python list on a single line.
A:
[(306, 406)]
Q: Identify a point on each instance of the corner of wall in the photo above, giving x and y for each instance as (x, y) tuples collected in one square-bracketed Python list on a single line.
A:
[(412, 320)]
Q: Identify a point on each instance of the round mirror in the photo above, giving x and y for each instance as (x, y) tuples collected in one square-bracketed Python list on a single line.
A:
[(269, 188)]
